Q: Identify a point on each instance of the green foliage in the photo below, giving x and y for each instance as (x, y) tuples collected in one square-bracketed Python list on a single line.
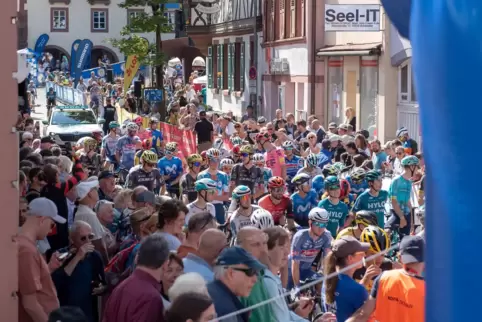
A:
[(148, 21)]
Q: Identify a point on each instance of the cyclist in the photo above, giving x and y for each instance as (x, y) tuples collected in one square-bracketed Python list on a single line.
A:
[(90, 159), (205, 161), (311, 166), (345, 194), (306, 245), (142, 132), (277, 203), (262, 219), (275, 159), (357, 181), (170, 167), (337, 210), (399, 193), (51, 100), (227, 166), (205, 189), (146, 174), (219, 144), (329, 170), (318, 184), (374, 198), (363, 219), (293, 164), (222, 183), (126, 147), (188, 179), (258, 160), (156, 135), (303, 199), (145, 146), (246, 173), (236, 154), (241, 217), (109, 144)]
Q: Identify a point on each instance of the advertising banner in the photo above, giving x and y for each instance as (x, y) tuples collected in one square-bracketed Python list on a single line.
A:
[(130, 70), (352, 17), (73, 51), (41, 43), (81, 56)]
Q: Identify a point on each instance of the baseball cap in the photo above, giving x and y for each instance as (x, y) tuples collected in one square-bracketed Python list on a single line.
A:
[(43, 207), (67, 314), (332, 125), (105, 174), (412, 249), (236, 256), (146, 196), (85, 187), (343, 126), (348, 245), (47, 139), (261, 120)]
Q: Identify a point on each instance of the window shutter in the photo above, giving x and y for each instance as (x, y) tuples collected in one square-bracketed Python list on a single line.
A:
[(220, 67), (242, 68), (211, 67), (230, 67)]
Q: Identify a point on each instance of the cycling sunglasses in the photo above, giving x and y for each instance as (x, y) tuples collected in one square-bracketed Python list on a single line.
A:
[(244, 155), (196, 164), (250, 272), (319, 224), (278, 190), (89, 237), (246, 198)]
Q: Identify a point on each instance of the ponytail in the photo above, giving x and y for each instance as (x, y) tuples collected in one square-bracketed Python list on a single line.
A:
[(331, 262)]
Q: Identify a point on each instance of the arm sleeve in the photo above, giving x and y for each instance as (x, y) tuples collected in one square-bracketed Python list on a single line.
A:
[(296, 247)]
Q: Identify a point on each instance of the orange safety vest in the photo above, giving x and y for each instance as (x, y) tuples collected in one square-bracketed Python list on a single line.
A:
[(400, 297)]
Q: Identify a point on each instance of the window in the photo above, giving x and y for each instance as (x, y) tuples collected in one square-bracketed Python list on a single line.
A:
[(171, 18), (292, 18), (369, 93), (282, 18), (226, 68), (133, 13), (335, 90), (406, 86), (271, 22), (99, 20), (59, 19)]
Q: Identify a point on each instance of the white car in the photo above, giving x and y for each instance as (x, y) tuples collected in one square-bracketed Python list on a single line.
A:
[(70, 123)]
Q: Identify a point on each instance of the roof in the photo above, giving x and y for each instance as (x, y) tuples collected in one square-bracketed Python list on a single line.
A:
[(351, 49)]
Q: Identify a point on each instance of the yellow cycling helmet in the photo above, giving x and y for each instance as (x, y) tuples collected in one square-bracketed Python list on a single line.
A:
[(376, 237), (246, 149), (193, 158), (149, 157), (90, 142)]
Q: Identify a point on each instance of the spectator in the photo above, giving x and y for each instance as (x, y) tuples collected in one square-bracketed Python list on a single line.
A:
[(200, 306), (196, 226), (185, 283), (174, 268), (68, 314), (106, 185), (172, 214), (205, 131), (105, 213)]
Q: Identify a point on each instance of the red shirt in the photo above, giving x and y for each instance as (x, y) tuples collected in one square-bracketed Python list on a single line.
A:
[(284, 208), (138, 298)]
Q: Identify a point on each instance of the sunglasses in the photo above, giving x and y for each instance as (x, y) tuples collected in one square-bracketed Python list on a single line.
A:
[(152, 165), (250, 272), (196, 164), (244, 155), (89, 237), (319, 225), (278, 190), (246, 198)]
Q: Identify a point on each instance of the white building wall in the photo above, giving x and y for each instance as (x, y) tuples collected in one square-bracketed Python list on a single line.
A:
[(79, 20)]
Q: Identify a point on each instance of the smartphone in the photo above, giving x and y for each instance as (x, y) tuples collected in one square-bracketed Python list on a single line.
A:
[(63, 256)]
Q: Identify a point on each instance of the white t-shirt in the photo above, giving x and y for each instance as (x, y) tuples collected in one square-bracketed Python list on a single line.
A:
[(193, 209)]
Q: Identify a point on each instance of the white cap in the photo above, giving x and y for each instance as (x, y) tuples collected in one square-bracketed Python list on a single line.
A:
[(43, 207), (85, 187)]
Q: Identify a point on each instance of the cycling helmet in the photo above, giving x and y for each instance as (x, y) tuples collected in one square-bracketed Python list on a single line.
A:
[(409, 160), (218, 143), (236, 140), (227, 162), (338, 166), (149, 157), (203, 155), (262, 135), (276, 182), (113, 125), (138, 120), (153, 120), (240, 191), (146, 144), (376, 237), (344, 188), (246, 149), (300, 179), (213, 154), (262, 219), (193, 158), (329, 170), (317, 183), (372, 175), (319, 215), (357, 175), (420, 213), (131, 126), (90, 142), (401, 132), (171, 147), (288, 145), (332, 183), (312, 160), (366, 218), (258, 158), (205, 184), (236, 149)]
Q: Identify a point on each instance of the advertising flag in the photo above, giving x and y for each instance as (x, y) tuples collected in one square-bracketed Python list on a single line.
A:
[(41, 43), (81, 55), (130, 70), (75, 46)]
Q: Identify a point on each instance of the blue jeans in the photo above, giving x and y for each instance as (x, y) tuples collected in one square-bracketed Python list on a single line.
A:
[(220, 213)]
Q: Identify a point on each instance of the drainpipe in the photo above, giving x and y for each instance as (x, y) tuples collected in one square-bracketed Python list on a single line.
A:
[(313, 52)]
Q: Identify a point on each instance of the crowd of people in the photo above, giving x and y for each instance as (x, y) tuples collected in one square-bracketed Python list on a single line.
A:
[(127, 228)]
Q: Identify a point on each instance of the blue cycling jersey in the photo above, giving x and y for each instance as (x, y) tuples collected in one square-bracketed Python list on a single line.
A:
[(357, 188), (292, 167), (400, 190), (157, 138), (302, 206), (126, 146), (221, 179), (170, 167), (337, 213)]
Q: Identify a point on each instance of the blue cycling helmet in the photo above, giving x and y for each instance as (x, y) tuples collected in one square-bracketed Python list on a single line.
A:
[(318, 184)]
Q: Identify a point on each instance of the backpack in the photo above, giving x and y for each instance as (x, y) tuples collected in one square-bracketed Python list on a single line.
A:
[(116, 270)]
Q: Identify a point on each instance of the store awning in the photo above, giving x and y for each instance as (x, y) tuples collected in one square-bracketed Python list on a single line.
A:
[(369, 49)]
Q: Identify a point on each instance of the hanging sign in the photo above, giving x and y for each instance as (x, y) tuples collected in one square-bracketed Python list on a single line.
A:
[(209, 10)]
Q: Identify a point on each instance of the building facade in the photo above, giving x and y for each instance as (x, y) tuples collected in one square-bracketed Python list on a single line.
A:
[(22, 24), (98, 20)]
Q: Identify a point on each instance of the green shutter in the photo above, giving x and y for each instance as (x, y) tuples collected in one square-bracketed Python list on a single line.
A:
[(220, 66), (230, 66), (242, 70), (210, 67)]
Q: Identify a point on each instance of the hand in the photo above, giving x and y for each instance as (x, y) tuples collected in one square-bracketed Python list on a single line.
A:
[(327, 317), (54, 262), (371, 272), (99, 290), (305, 306), (84, 250), (403, 222)]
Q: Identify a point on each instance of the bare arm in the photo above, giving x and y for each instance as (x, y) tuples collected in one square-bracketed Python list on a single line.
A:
[(363, 313)]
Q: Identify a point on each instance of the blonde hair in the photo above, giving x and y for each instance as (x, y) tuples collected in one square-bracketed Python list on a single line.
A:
[(122, 198)]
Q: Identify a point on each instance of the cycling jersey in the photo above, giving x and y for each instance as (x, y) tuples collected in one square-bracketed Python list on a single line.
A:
[(366, 201), (170, 167), (91, 163), (275, 160), (304, 250), (337, 213), (221, 182), (283, 208), (109, 144), (187, 186), (400, 189), (143, 135), (239, 221), (312, 173), (139, 177), (251, 177), (302, 206), (126, 146), (357, 188), (293, 165), (193, 209), (157, 138), (267, 173)]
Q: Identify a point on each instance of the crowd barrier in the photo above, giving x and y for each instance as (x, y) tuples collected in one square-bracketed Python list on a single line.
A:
[(68, 95)]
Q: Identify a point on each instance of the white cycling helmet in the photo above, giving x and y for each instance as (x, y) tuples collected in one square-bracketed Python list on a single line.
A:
[(258, 157), (131, 126), (401, 132), (218, 143), (226, 162), (319, 215), (262, 219)]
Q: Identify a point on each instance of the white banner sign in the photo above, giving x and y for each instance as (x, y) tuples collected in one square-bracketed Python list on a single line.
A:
[(209, 10), (363, 17)]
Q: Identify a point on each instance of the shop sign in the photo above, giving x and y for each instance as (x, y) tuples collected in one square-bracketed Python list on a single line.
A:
[(279, 66), (363, 17), (208, 10)]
